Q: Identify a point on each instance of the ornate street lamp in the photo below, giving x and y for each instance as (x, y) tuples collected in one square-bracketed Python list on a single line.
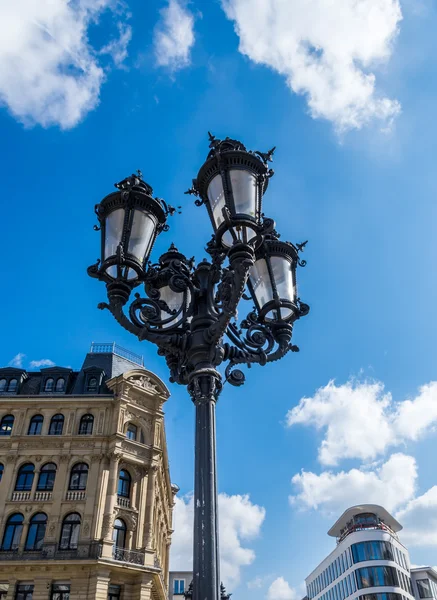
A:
[(187, 309)]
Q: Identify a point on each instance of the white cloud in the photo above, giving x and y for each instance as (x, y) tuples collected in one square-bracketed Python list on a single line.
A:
[(325, 50), (44, 362), (17, 361), (49, 73), (174, 36), (391, 485), (280, 590), (419, 519), (361, 421), (240, 521), (117, 48)]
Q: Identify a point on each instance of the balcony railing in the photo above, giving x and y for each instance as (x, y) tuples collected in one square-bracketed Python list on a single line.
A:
[(42, 496), (122, 501), (75, 495), (365, 527), (87, 550), (113, 348), (20, 496), (129, 556), (26, 496)]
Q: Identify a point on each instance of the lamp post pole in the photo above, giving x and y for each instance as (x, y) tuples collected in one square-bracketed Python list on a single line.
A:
[(187, 310)]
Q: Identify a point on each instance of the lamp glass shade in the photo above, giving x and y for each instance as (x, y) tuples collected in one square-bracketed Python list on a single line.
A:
[(113, 231), (244, 191), (216, 198), (141, 235), (174, 301), (283, 278), (260, 281)]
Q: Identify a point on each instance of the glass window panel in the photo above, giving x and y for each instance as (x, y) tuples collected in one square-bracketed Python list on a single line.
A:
[(56, 425), (13, 384), (3, 383), (113, 231), (244, 191), (216, 199), (141, 235), (6, 425), (424, 588)]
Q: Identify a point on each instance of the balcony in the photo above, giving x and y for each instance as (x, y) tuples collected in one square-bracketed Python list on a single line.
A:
[(75, 495), (42, 496), (123, 502), (85, 551), (132, 557), (377, 525), (20, 496), (27, 496)]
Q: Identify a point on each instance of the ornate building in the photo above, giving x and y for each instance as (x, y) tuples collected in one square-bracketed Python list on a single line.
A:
[(85, 494)]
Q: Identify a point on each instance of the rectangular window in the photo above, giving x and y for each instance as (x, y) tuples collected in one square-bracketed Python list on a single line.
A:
[(60, 591), (114, 592), (179, 586), (424, 588), (23, 592)]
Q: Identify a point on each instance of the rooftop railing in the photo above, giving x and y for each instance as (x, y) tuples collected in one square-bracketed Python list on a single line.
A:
[(352, 528), (113, 348)]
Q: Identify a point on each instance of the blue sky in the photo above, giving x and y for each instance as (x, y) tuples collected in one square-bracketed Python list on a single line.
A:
[(92, 90)]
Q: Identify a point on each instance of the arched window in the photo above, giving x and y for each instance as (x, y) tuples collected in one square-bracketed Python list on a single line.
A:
[(60, 385), (124, 483), (86, 425), (13, 384), (46, 479), (70, 532), (35, 425), (25, 478), (119, 534), (78, 477), (131, 432), (50, 382), (56, 425), (3, 383), (6, 425), (1, 471), (36, 532), (92, 385), (13, 531)]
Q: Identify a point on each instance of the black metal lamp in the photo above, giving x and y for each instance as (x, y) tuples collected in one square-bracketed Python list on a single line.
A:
[(130, 220), (231, 184), (169, 285), (272, 281)]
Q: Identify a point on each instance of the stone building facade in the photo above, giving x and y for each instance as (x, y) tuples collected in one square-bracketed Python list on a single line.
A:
[(86, 499)]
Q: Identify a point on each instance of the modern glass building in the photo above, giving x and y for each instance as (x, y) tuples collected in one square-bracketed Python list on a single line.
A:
[(368, 563)]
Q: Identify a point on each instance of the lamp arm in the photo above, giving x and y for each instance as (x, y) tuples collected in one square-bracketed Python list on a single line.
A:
[(230, 290), (170, 342)]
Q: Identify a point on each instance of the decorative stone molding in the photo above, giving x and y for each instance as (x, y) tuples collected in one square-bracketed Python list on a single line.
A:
[(144, 382), (107, 525)]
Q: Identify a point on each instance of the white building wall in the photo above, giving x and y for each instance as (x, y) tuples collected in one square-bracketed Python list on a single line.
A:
[(345, 584)]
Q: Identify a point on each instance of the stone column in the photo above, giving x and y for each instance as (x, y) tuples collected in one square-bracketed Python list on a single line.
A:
[(150, 506), (11, 589), (98, 585), (142, 486), (9, 477), (142, 590), (41, 590), (111, 498), (93, 485)]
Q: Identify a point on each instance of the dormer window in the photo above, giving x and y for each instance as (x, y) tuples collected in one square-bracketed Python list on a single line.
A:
[(60, 385), (3, 384), (92, 386), (13, 384), (49, 385)]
